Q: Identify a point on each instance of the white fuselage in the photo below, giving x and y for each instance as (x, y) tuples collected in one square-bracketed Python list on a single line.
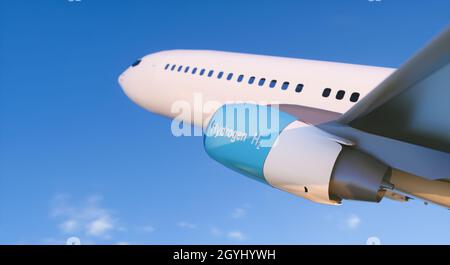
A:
[(162, 82)]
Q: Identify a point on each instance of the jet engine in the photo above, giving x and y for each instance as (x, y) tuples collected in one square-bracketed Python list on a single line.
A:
[(277, 148)]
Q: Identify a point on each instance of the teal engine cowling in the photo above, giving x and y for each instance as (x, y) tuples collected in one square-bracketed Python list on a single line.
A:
[(276, 148)]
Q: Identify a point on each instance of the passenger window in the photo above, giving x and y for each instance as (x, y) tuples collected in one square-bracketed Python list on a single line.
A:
[(167, 66), (173, 67), (261, 81), (273, 83), (299, 88), (194, 70), (354, 97), (230, 75), (251, 80), (326, 92), (179, 68), (202, 71), (285, 85), (240, 78), (186, 69), (340, 94), (211, 72), (219, 76)]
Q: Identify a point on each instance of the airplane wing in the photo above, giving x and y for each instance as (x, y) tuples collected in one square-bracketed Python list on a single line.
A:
[(413, 104)]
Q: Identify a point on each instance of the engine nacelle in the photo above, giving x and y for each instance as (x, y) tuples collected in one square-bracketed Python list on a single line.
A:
[(358, 176), (276, 148)]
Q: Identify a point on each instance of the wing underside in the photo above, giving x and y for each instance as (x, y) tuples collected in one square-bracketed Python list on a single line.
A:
[(405, 122), (413, 104)]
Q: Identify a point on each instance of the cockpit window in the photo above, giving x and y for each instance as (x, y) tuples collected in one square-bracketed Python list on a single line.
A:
[(136, 63)]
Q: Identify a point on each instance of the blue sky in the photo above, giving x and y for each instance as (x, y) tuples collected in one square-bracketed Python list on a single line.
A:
[(78, 158)]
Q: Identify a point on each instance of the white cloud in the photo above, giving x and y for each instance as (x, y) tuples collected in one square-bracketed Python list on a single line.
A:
[(88, 218), (148, 228), (69, 226), (238, 213), (353, 221), (236, 235), (122, 243), (121, 229), (216, 231), (100, 226), (187, 225)]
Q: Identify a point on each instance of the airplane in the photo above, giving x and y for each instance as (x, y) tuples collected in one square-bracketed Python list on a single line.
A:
[(324, 131)]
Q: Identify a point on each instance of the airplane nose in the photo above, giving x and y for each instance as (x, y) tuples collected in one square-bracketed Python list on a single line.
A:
[(125, 82), (122, 82), (126, 75), (135, 82)]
